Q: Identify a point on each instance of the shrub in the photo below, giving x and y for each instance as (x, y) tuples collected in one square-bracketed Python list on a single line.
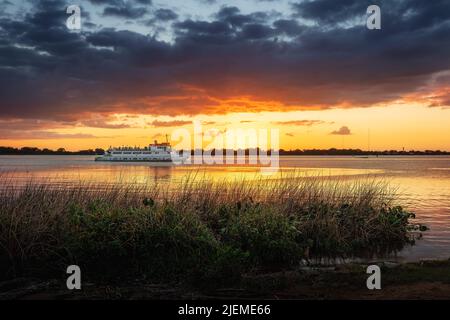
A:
[(199, 232)]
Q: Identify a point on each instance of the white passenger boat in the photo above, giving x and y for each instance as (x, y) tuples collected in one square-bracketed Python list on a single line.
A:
[(156, 152)]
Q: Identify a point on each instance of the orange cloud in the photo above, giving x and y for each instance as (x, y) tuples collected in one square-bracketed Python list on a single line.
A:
[(307, 123), (173, 123), (343, 131)]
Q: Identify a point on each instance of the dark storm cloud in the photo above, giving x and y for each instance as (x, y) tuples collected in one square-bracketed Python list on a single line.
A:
[(119, 2), (233, 16), (204, 27), (110, 2), (124, 8), (288, 27), (34, 129), (160, 15), (165, 14), (331, 11), (401, 14), (126, 11), (256, 31), (274, 62)]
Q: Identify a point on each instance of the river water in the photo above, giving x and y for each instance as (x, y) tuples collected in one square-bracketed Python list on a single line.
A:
[(423, 182)]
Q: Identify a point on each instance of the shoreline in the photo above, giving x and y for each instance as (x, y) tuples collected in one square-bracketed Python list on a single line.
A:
[(406, 281), (356, 155), (212, 240)]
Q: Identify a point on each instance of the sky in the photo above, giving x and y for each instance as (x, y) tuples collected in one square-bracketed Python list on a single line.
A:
[(139, 69)]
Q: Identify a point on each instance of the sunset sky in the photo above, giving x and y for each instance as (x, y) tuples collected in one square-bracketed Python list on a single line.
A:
[(139, 69)]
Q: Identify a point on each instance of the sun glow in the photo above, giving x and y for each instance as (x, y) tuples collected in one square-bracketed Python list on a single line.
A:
[(391, 127)]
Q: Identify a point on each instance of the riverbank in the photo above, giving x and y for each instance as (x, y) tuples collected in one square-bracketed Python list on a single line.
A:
[(429, 280), (199, 234), (281, 152)]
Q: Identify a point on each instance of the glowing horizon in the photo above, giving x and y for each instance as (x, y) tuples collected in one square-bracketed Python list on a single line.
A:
[(390, 128), (312, 69)]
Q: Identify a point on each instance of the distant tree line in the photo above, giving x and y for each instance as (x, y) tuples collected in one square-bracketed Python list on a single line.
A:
[(282, 152), (332, 152), (359, 152), (45, 151)]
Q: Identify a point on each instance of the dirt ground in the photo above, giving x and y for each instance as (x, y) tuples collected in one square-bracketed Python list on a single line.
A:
[(425, 281)]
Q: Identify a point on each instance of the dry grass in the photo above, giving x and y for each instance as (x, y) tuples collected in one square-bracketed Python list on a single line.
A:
[(196, 229)]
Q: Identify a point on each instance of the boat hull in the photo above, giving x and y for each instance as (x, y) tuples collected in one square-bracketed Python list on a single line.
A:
[(101, 159)]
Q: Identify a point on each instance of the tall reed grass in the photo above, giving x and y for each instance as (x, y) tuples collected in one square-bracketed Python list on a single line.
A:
[(196, 230)]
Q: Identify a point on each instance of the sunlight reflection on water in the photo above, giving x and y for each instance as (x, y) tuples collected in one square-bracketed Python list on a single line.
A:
[(423, 182)]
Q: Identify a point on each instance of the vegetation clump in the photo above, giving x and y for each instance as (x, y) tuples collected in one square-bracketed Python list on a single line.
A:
[(197, 231)]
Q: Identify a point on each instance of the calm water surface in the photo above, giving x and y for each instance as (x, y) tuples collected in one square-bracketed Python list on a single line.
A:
[(423, 182)]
